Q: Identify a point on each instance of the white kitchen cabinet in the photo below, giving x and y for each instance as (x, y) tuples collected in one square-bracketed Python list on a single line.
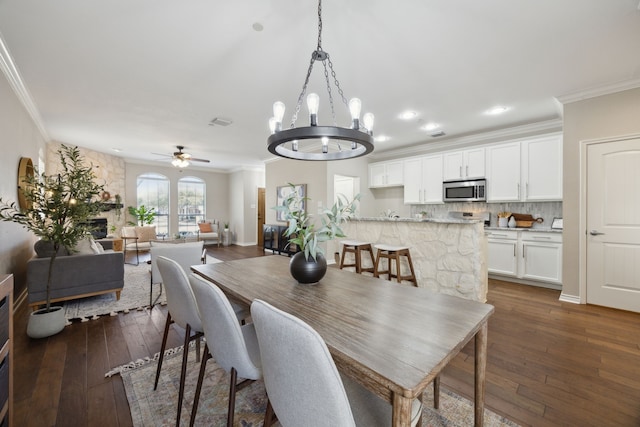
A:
[(542, 169), (386, 174), (541, 257), (502, 253), (423, 179), (534, 257), (503, 172), (464, 164), (525, 171)]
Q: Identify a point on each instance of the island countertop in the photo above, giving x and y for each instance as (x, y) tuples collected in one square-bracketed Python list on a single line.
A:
[(449, 255)]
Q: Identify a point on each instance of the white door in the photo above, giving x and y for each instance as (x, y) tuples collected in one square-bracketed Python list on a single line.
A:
[(613, 224)]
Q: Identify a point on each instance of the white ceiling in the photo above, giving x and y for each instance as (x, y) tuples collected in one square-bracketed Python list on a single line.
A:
[(144, 76)]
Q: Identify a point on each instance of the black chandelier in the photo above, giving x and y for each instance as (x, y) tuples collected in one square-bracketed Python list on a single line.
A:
[(315, 142)]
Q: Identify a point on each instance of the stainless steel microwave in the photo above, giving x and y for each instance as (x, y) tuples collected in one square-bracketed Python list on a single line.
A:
[(465, 191)]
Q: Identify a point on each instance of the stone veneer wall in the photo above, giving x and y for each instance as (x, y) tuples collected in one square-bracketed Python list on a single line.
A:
[(448, 257), (109, 171)]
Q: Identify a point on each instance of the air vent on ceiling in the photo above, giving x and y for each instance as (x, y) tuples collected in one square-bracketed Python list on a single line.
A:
[(439, 133), (220, 121)]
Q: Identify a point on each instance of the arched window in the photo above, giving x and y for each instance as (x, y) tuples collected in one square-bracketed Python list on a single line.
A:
[(152, 191), (191, 204)]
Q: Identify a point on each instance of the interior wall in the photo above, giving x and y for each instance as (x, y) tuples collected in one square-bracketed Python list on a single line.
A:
[(605, 116), (19, 137), (217, 195)]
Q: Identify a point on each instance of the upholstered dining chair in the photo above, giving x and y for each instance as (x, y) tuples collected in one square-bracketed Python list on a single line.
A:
[(184, 312), (302, 381), (185, 254), (233, 346)]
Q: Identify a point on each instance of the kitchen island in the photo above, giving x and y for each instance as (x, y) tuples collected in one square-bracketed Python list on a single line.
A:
[(449, 255)]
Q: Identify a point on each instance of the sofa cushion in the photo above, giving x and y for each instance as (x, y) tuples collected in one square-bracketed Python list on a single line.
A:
[(44, 249), (85, 246), (146, 233)]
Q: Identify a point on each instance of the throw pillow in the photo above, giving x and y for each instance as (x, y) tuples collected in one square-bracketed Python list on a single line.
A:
[(85, 247), (146, 233), (205, 227)]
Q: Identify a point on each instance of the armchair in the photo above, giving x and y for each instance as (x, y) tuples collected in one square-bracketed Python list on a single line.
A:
[(208, 230), (137, 239)]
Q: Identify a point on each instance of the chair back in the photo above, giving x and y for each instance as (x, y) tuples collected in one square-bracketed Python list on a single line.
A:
[(180, 299), (231, 345), (185, 254), (128, 231), (302, 381)]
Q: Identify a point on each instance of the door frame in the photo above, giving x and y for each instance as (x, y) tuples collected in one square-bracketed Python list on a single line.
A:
[(582, 218)]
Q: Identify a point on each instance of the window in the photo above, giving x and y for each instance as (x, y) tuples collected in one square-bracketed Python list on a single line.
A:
[(191, 204), (153, 192)]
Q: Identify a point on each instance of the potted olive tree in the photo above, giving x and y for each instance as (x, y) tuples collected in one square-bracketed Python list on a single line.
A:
[(309, 265), (57, 210)]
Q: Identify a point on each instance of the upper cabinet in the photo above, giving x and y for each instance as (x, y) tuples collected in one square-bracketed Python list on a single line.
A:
[(464, 164), (530, 170), (386, 174), (423, 179)]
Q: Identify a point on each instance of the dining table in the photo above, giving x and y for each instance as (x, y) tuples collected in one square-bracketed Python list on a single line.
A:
[(392, 338)]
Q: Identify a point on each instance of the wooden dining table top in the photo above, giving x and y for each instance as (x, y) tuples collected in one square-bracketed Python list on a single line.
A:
[(392, 338)]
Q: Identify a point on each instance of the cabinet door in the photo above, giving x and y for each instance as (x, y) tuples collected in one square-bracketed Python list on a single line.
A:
[(474, 163), (503, 172), (453, 165), (394, 173), (541, 261), (377, 175), (413, 180), (542, 169), (502, 257), (431, 179)]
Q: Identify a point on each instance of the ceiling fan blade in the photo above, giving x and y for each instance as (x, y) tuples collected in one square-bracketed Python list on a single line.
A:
[(192, 159), (163, 154)]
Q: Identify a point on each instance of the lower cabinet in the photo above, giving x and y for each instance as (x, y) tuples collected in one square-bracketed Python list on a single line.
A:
[(276, 241), (528, 255), (6, 349)]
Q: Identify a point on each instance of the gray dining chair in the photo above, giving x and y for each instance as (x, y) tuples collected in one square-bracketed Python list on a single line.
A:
[(303, 384), (233, 346), (183, 311)]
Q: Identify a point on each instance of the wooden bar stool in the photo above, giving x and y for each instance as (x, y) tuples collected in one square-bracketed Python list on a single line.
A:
[(394, 253), (356, 248)]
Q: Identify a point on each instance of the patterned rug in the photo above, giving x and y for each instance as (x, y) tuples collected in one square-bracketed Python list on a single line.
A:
[(134, 296), (158, 408)]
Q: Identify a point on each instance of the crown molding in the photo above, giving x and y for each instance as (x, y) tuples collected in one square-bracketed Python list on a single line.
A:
[(538, 128), (17, 84), (598, 91)]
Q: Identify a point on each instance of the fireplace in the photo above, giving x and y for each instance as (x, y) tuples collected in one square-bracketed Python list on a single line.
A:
[(98, 227)]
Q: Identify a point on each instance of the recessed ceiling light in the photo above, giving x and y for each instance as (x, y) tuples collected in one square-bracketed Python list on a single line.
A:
[(408, 115), (381, 138), (430, 126), (497, 110)]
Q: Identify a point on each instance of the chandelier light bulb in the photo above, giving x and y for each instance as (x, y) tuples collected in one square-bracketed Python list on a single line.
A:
[(278, 114), (272, 125), (294, 145), (355, 106), (368, 122), (325, 144), (313, 103)]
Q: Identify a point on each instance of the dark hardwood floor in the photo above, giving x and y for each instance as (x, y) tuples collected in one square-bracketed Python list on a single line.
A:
[(549, 363)]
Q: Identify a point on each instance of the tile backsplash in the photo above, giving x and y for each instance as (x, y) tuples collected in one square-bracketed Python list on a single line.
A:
[(545, 210)]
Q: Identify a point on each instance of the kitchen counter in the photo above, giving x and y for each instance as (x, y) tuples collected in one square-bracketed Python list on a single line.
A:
[(449, 255), (541, 230)]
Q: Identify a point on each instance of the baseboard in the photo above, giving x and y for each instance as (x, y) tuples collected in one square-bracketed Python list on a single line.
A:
[(573, 299), (21, 299)]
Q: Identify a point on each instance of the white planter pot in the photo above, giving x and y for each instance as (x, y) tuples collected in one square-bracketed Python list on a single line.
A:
[(43, 324)]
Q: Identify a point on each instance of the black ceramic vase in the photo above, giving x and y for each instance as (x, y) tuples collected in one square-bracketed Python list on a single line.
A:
[(310, 271)]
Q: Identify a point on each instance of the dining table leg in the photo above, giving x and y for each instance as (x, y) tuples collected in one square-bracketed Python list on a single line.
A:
[(480, 374), (401, 411)]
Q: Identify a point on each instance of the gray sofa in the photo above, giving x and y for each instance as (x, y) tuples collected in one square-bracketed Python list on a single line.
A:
[(75, 276)]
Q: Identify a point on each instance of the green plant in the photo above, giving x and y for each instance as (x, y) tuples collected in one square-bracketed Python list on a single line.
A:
[(302, 230), (142, 215), (118, 206), (59, 205), (226, 225)]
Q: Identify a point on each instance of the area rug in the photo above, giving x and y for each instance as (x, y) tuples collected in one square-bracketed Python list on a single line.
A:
[(134, 296), (158, 408)]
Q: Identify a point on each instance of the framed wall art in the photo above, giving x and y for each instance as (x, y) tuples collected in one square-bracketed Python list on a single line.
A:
[(284, 191)]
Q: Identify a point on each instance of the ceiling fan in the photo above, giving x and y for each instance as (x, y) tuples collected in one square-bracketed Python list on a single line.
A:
[(180, 159)]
